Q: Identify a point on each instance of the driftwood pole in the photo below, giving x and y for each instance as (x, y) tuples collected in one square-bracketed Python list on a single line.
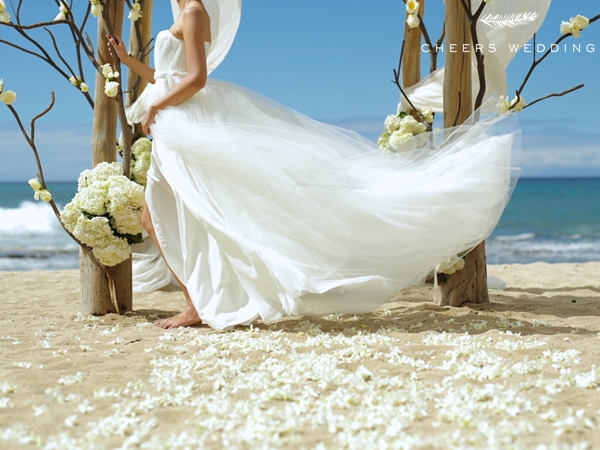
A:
[(95, 293), (139, 48), (470, 283), (411, 59)]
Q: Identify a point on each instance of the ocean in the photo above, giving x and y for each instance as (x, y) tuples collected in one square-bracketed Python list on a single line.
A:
[(552, 220)]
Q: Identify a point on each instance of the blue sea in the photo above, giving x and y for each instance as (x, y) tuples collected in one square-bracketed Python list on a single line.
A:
[(552, 220)]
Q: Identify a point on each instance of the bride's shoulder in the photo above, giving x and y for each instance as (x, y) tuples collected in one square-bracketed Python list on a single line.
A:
[(194, 18), (196, 15), (195, 10)]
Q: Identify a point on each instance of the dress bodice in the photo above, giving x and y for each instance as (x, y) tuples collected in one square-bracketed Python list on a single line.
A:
[(170, 53)]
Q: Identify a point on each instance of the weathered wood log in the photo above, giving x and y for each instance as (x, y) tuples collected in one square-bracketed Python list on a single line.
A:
[(95, 292), (411, 59), (468, 285)]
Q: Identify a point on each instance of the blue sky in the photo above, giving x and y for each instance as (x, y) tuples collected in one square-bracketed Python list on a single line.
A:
[(332, 61)]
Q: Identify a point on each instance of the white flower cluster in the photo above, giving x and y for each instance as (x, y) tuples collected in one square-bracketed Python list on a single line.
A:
[(141, 151), (62, 15), (106, 213), (41, 193), (136, 11), (574, 25), (451, 265), (111, 86), (4, 16), (78, 83), (401, 127), (96, 8), (503, 106), (412, 8), (6, 97)]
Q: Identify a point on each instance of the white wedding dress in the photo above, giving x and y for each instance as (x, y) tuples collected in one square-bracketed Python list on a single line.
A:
[(263, 212)]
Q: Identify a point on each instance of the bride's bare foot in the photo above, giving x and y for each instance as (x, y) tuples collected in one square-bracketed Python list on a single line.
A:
[(189, 316)]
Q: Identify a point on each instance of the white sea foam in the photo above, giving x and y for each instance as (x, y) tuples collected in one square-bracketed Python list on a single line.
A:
[(542, 249), (516, 237), (29, 217)]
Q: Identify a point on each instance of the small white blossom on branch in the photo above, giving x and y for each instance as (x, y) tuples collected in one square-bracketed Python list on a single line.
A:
[(41, 193), (111, 86), (136, 12), (427, 114), (518, 103), (413, 21), (78, 83), (96, 8), (108, 72), (6, 97), (62, 15), (574, 25), (4, 16), (412, 8), (503, 106)]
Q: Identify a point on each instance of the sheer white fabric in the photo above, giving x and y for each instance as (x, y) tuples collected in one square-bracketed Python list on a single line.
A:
[(500, 45), (263, 212)]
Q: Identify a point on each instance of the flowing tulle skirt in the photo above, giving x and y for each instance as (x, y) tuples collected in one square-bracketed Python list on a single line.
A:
[(262, 212)]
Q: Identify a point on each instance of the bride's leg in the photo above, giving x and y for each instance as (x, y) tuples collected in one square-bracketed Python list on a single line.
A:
[(189, 316)]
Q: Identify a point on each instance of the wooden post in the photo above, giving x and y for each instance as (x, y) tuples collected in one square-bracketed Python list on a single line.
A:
[(470, 283), (139, 48), (411, 60), (95, 294)]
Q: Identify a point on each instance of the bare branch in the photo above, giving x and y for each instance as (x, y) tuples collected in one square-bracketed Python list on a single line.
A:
[(40, 115), (438, 44), (17, 26), (455, 121), (57, 50), (479, 56), (396, 81), (560, 94), (31, 141), (537, 62)]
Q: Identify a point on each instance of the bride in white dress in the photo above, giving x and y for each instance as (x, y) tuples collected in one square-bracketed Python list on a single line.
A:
[(261, 212)]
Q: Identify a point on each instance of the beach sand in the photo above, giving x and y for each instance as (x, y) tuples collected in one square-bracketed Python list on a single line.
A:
[(518, 372)]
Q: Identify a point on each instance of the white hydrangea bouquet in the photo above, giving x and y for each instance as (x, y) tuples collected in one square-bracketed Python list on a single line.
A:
[(401, 127), (106, 213), (141, 150)]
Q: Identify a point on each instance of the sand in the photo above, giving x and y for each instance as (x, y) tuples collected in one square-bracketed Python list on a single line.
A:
[(518, 372)]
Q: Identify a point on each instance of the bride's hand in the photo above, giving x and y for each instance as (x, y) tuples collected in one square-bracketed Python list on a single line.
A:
[(115, 43), (148, 120)]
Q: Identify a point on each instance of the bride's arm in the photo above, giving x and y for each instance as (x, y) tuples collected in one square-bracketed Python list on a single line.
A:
[(194, 22), (144, 71)]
